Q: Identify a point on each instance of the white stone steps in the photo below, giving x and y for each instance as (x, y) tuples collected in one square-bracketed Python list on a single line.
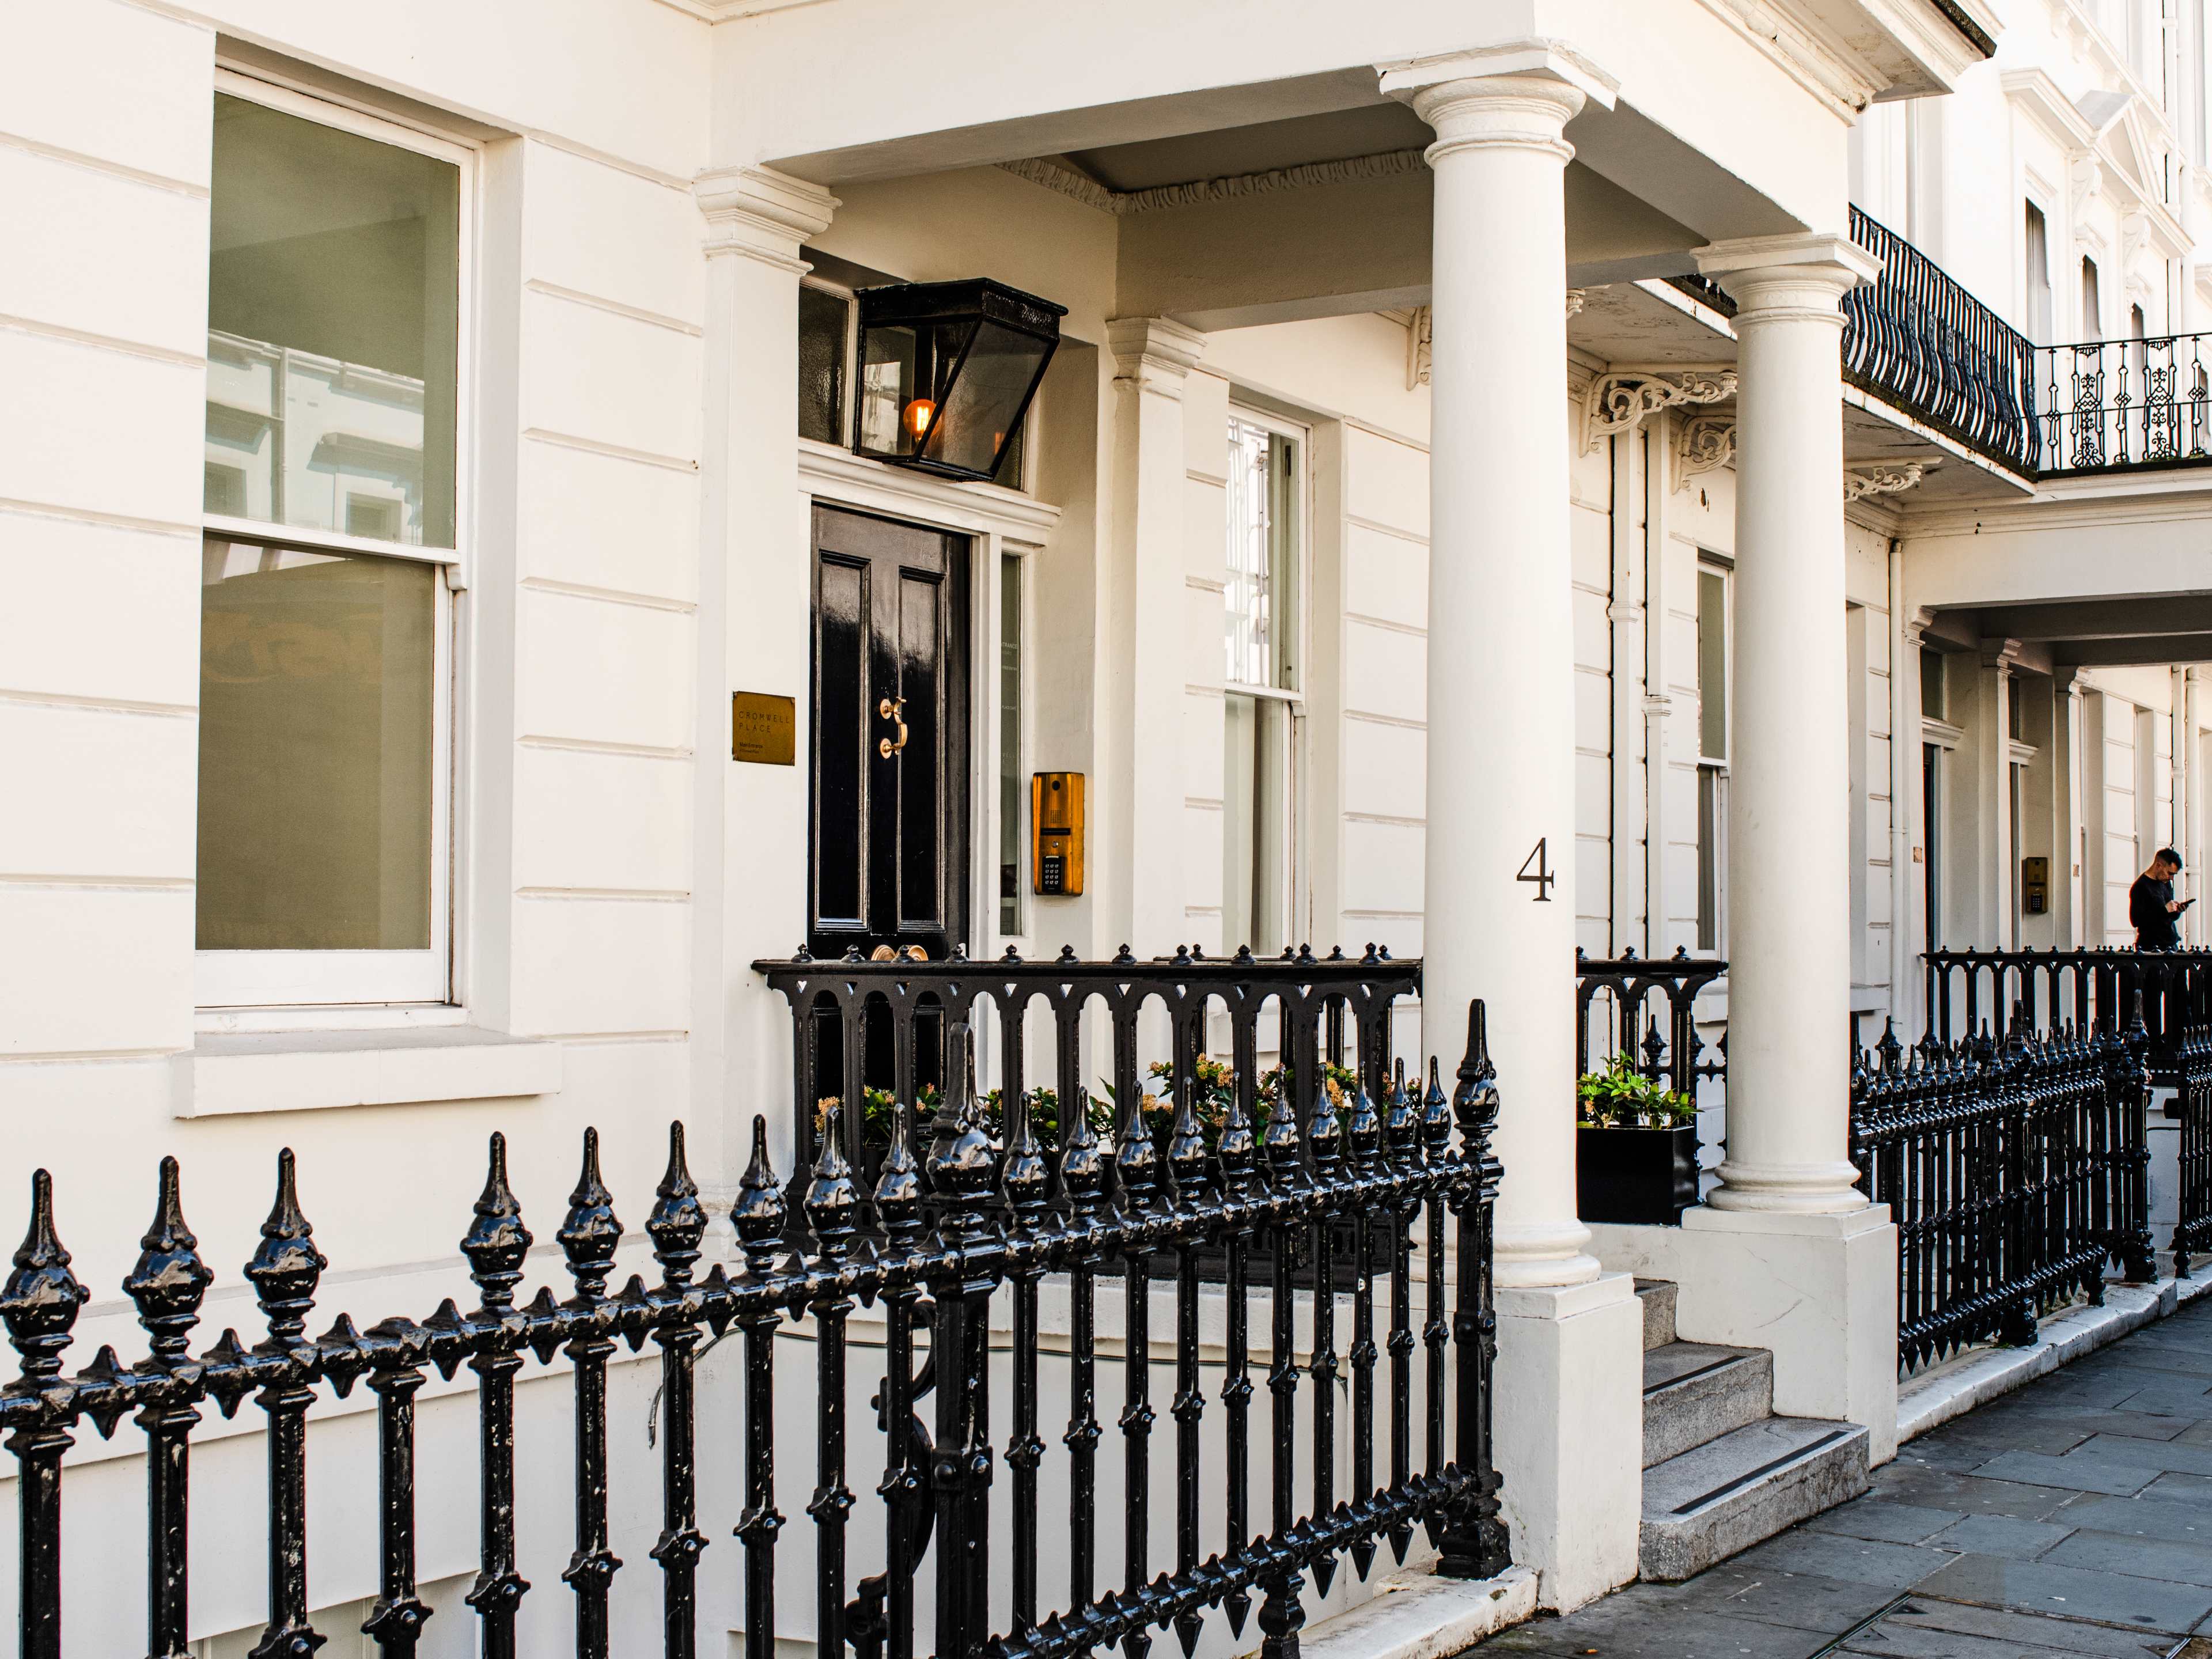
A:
[(1706, 1504), (1694, 1392)]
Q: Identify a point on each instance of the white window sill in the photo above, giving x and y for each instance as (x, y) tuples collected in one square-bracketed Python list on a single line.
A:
[(233, 1072)]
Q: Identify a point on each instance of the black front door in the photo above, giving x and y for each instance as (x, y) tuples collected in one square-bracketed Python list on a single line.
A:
[(888, 853)]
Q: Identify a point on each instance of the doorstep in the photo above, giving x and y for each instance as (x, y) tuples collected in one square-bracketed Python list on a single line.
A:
[(1978, 1375), (1421, 1614)]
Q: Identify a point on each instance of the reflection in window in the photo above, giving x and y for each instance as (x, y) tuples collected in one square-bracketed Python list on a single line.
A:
[(333, 312), (316, 700), (1259, 724), (1713, 755), (1010, 744)]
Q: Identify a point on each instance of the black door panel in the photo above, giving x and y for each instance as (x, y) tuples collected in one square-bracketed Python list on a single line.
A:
[(888, 841)]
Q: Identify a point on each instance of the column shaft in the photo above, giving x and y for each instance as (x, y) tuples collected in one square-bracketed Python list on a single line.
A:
[(1788, 789), (1499, 905)]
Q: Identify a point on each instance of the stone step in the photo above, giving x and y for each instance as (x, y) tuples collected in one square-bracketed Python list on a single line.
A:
[(1657, 1296), (1694, 1392), (1704, 1504)]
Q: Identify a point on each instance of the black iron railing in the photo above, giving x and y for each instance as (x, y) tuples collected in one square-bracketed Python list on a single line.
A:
[(1646, 1007), (2110, 405), (2015, 1170), (868, 1032), (2192, 1105), (940, 1231), (1915, 338), (2092, 989)]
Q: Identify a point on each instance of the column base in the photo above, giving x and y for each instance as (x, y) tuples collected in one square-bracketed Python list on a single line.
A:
[(1820, 1291), (1569, 1433), (1538, 1256), (1789, 1189)]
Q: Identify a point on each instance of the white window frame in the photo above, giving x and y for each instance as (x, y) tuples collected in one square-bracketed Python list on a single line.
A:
[(1293, 848), (229, 983), (1710, 563)]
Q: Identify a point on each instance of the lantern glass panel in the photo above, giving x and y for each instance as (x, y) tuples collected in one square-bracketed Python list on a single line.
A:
[(985, 399), (887, 378)]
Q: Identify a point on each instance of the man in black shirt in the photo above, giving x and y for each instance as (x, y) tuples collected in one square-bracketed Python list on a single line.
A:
[(2152, 907)]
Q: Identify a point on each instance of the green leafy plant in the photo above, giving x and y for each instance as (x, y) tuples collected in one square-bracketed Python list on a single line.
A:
[(1622, 1097), (1044, 1117)]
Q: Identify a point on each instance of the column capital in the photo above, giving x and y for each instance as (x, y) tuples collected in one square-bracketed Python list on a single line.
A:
[(760, 214), (1154, 352), (1804, 275), (2002, 654), (1517, 94)]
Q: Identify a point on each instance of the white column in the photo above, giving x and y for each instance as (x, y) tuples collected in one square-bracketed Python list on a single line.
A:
[(1139, 803), (1501, 788), (1788, 846), (755, 595), (1501, 735), (1994, 852), (2066, 871), (2190, 758)]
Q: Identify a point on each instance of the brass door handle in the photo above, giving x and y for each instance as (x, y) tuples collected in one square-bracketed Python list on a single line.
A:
[(893, 709)]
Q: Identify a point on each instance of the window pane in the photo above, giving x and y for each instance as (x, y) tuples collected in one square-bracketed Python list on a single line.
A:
[(316, 694), (1255, 824), (822, 365), (1261, 601), (1712, 665), (1709, 858), (333, 309), (1010, 744), (1931, 684)]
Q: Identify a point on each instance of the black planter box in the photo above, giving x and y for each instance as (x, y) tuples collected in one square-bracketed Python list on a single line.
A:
[(1645, 1175)]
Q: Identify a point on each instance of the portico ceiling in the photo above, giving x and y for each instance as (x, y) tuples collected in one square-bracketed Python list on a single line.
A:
[(1261, 147), (2103, 633)]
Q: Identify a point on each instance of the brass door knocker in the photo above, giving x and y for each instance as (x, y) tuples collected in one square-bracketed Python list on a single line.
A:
[(893, 709)]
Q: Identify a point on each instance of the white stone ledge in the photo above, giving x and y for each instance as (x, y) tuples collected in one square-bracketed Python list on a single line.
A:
[(232, 1072), (1978, 1375), (1420, 1615)]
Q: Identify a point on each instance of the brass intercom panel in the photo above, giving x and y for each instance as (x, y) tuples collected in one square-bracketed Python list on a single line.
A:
[(2035, 886), (1056, 833)]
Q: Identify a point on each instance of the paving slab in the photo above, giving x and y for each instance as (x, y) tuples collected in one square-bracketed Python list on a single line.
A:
[(1877, 1517), (2001, 1535), (2137, 1557), (2072, 1520), (2106, 1597), (2015, 1633)]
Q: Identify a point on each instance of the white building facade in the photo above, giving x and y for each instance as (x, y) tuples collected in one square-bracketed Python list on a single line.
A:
[(432, 505)]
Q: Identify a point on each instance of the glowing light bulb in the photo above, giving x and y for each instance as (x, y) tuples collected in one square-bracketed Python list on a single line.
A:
[(919, 414)]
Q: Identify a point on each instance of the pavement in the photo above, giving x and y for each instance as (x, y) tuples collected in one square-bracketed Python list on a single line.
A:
[(2073, 1518)]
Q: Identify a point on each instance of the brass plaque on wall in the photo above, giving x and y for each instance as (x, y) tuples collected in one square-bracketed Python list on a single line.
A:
[(763, 728)]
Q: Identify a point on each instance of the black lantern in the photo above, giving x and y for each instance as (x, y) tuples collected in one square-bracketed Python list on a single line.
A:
[(947, 371)]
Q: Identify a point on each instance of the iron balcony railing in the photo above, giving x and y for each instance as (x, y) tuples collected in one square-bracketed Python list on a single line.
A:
[(923, 1253), (2113, 405), (1917, 339)]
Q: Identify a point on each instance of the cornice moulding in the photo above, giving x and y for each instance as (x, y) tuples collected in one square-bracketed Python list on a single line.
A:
[(837, 474), (1387, 164), (762, 214), (1838, 76)]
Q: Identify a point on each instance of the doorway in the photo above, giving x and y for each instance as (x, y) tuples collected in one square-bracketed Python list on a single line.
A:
[(887, 844)]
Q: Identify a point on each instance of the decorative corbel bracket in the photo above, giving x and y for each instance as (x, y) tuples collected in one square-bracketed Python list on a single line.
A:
[(1882, 480), (1618, 403), (1704, 443)]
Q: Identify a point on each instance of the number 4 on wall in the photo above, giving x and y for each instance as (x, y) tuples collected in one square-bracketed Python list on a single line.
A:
[(1536, 868)]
